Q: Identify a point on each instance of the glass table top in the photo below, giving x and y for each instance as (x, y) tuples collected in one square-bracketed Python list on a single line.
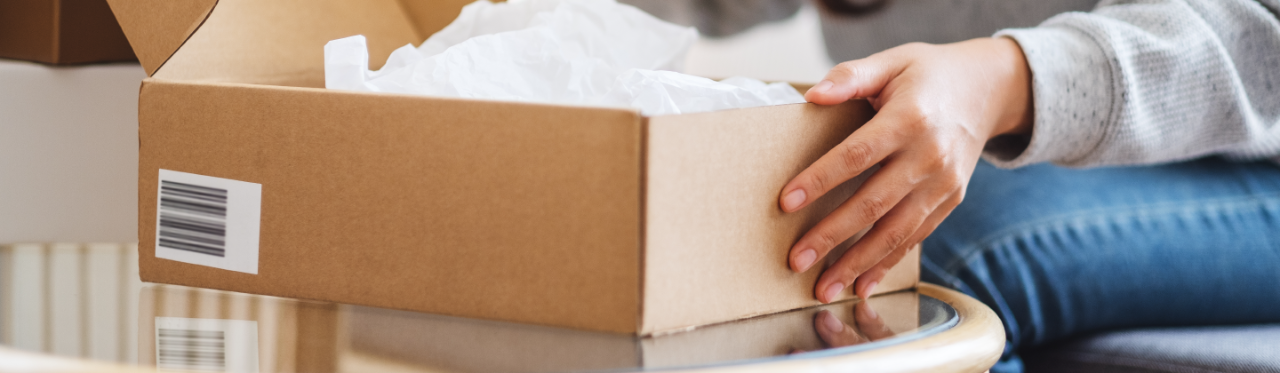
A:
[(182, 328)]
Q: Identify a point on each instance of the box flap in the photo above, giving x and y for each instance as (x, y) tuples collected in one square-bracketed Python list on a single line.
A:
[(277, 42), (429, 16), (156, 28)]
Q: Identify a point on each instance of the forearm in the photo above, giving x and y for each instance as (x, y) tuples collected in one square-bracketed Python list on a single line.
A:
[(1154, 82)]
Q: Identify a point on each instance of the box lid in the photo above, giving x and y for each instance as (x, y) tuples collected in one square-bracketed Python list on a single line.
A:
[(156, 28), (268, 41)]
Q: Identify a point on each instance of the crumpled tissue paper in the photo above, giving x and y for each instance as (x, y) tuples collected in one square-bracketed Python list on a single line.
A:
[(587, 52)]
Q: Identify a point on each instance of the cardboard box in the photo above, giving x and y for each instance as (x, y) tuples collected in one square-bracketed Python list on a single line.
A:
[(583, 217), (61, 32)]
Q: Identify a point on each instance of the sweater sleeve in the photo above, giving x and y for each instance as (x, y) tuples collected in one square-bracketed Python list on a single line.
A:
[(1142, 82)]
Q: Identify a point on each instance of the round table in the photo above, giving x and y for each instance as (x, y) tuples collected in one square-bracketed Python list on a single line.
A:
[(929, 329)]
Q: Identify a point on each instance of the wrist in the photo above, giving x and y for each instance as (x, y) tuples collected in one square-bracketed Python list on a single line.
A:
[(1017, 110)]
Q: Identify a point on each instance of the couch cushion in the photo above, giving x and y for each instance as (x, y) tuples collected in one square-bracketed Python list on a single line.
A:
[(1245, 348)]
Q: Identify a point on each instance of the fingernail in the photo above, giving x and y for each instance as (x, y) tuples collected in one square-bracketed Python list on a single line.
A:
[(805, 259), (869, 288), (872, 313), (822, 86), (833, 291), (830, 322), (793, 200)]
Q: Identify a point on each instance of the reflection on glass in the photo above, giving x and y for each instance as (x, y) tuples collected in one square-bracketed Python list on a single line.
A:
[(217, 345), (73, 300), (291, 335), (297, 336)]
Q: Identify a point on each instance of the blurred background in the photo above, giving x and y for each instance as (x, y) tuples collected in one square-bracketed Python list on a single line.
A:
[(788, 50)]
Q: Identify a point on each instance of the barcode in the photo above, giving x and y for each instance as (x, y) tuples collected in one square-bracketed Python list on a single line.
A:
[(208, 221), (193, 218), (180, 349)]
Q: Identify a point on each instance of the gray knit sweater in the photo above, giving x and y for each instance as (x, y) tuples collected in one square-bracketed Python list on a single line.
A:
[(1153, 81), (1130, 82)]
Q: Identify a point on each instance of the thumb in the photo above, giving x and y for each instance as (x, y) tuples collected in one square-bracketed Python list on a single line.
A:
[(855, 79)]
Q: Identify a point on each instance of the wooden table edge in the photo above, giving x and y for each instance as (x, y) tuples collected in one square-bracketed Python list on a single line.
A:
[(973, 345)]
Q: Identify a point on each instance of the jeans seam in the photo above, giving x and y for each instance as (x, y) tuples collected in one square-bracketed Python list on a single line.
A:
[(1106, 215)]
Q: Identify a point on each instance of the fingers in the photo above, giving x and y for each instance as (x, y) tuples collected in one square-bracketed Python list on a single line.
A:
[(868, 280), (835, 332), (867, 327), (890, 232), (874, 198), (869, 323), (866, 147), (856, 79), (869, 145)]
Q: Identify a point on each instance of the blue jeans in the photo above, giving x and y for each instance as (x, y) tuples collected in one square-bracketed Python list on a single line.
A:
[(1058, 252)]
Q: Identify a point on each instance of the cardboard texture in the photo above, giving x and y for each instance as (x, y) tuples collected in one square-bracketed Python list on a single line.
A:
[(591, 218), (61, 32)]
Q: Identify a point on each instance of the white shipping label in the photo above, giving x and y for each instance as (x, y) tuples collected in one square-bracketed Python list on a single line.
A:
[(206, 345), (208, 221)]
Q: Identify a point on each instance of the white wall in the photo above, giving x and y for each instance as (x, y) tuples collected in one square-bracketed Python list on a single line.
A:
[(68, 152)]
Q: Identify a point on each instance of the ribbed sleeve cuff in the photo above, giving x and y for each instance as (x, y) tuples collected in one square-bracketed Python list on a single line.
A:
[(1073, 91)]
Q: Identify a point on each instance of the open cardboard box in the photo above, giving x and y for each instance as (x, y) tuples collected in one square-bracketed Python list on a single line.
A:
[(583, 217)]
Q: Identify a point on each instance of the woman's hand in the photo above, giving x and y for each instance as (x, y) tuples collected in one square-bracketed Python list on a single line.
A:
[(867, 327), (937, 105)]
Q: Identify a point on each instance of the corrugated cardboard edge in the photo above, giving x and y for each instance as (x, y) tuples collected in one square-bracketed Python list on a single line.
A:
[(641, 244), (158, 28)]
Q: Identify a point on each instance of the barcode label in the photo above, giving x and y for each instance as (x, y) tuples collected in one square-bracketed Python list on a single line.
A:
[(191, 349), (206, 345), (193, 218), (208, 221)]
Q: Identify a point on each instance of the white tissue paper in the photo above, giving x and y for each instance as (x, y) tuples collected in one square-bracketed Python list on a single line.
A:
[(586, 52)]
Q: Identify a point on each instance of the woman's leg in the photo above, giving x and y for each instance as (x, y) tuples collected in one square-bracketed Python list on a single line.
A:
[(1057, 252)]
